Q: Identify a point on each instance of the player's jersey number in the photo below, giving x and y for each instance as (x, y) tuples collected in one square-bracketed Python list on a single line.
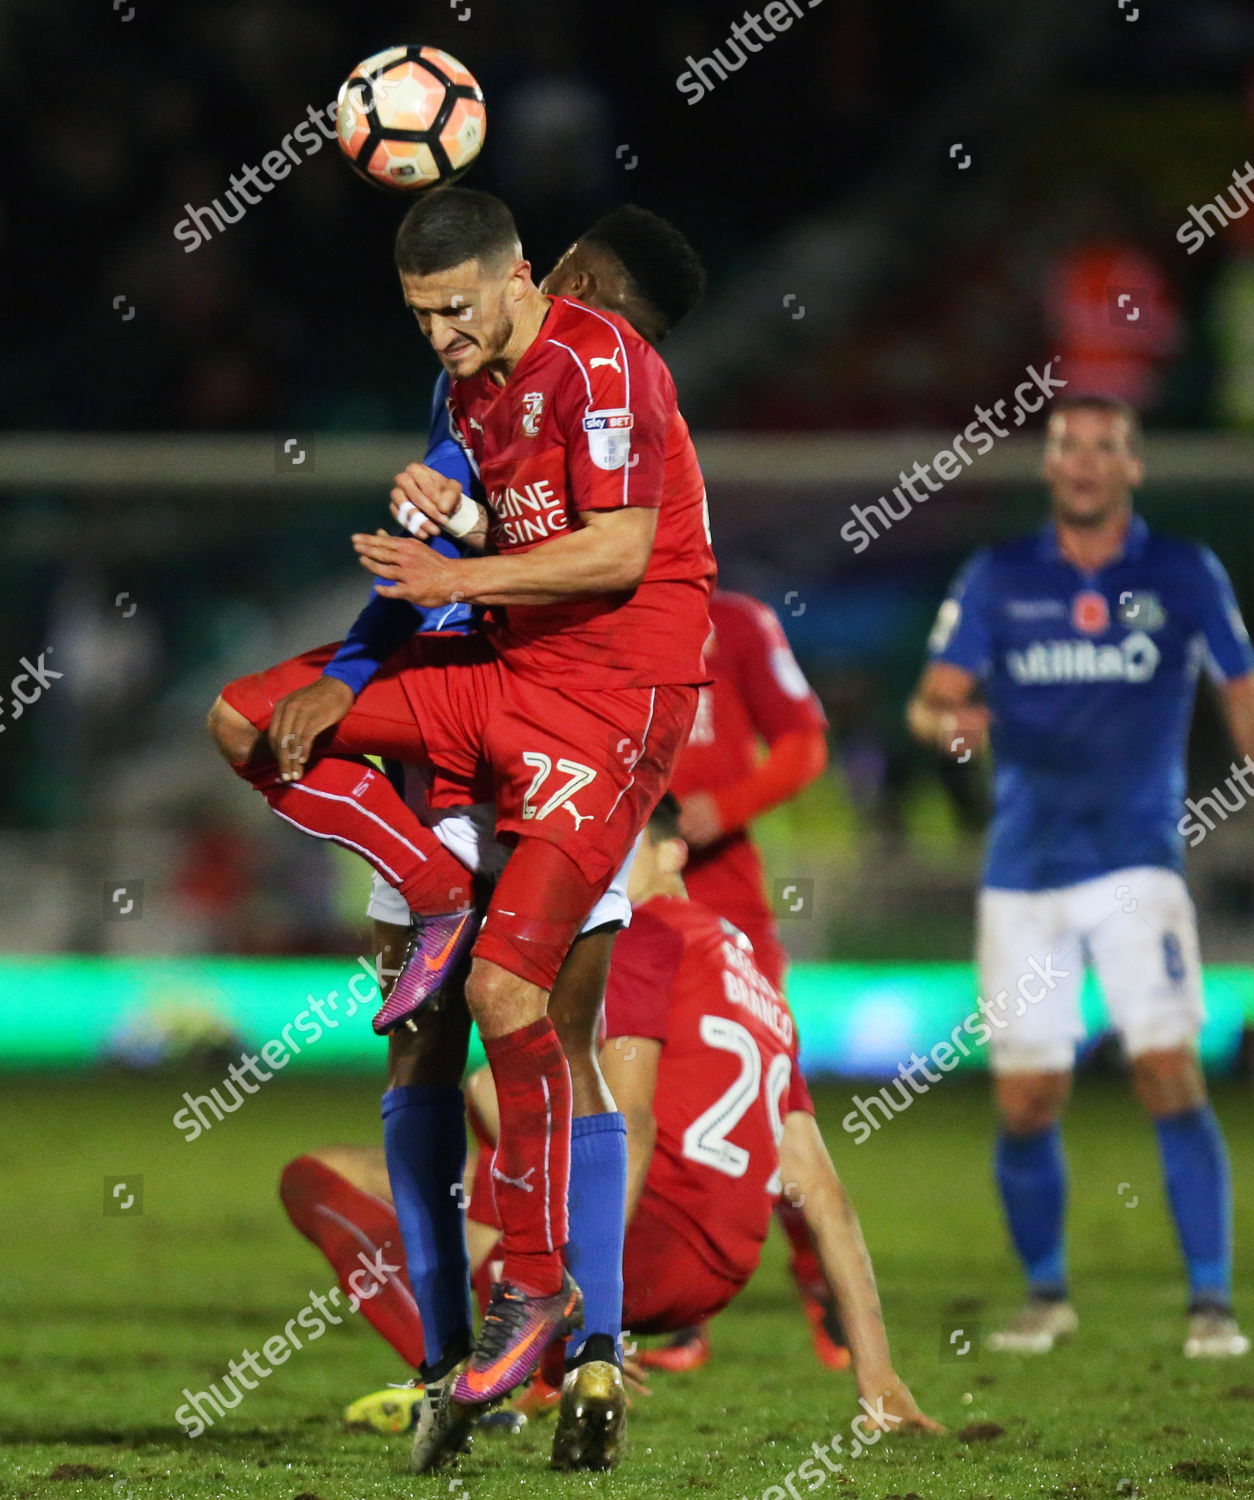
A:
[(578, 776), (705, 1140)]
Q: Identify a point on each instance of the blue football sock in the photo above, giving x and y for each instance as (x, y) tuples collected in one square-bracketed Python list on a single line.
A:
[(598, 1192), (424, 1138), (1032, 1179), (1195, 1164)]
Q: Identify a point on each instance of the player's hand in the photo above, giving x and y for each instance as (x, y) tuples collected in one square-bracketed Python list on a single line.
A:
[(411, 570), (963, 732), (635, 1378), (699, 821), (301, 717), (893, 1398), (423, 499)]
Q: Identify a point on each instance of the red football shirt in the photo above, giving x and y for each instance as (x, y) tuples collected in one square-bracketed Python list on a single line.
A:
[(727, 1076), (757, 692), (588, 421)]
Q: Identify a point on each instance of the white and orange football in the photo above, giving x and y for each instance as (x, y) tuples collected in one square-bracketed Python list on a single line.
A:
[(410, 118)]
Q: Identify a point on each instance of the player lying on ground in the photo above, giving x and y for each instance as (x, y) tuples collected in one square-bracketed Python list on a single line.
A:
[(700, 1053), (575, 708), (1085, 640), (757, 693)]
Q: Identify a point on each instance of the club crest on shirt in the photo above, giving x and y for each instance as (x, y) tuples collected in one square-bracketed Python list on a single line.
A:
[(533, 410), (1090, 612), (1141, 609)]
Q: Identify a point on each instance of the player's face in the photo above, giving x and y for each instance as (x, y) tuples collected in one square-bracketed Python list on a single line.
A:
[(1089, 466), (466, 314), (570, 276), (593, 274)]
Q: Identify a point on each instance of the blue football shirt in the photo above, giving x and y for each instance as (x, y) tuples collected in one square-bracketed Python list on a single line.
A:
[(1090, 680), (385, 624)]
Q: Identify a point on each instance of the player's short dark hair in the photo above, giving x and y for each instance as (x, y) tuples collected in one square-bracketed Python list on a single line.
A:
[(662, 267), (451, 225), (664, 819), (1112, 405)]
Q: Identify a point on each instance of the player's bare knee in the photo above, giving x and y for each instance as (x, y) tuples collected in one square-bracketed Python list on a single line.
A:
[(500, 1001), (1031, 1102), (1169, 1080), (231, 732)]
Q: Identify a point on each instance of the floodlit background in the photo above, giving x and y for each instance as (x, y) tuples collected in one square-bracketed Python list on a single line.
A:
[(902, 206)]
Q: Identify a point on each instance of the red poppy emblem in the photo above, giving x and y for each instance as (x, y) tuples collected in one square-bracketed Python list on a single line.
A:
[(1090, 613)]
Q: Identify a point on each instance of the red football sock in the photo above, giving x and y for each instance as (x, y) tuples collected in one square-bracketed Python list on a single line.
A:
[(803, 1258), (531, 1168), (351, 1227), (347, 800), (482, 1205)]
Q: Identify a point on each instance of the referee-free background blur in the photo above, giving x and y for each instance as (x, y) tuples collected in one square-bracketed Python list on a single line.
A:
[(903, 208), (904, 205)]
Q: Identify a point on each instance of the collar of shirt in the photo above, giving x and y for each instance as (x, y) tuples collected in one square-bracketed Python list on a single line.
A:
[(1133, 546)]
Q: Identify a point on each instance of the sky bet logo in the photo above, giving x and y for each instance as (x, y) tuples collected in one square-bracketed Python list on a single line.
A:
[(609, 437), (600, 421)]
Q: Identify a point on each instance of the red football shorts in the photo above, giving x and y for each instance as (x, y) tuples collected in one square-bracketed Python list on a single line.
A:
[(576, 775), (576, 772), (457, 694), (666, 1284)]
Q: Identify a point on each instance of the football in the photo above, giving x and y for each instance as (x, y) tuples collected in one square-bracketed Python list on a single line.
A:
[(409, 118)]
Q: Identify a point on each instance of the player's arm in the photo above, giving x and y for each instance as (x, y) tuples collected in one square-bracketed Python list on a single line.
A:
[(784, 710), (943, 711), (810, 1180), (381, 628), (1228, 644), (1238, 699), (629, 1064), (613, 411), (607, 555)]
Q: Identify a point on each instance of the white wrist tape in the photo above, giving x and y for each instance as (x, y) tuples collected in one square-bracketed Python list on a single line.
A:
[(464, 519), (410, 517)]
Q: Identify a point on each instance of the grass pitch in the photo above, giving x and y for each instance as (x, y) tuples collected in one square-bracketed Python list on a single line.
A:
[(105, 1318)]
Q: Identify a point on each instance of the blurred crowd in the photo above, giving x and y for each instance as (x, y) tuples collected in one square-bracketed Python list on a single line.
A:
[(131, 113), (1062, 243)]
